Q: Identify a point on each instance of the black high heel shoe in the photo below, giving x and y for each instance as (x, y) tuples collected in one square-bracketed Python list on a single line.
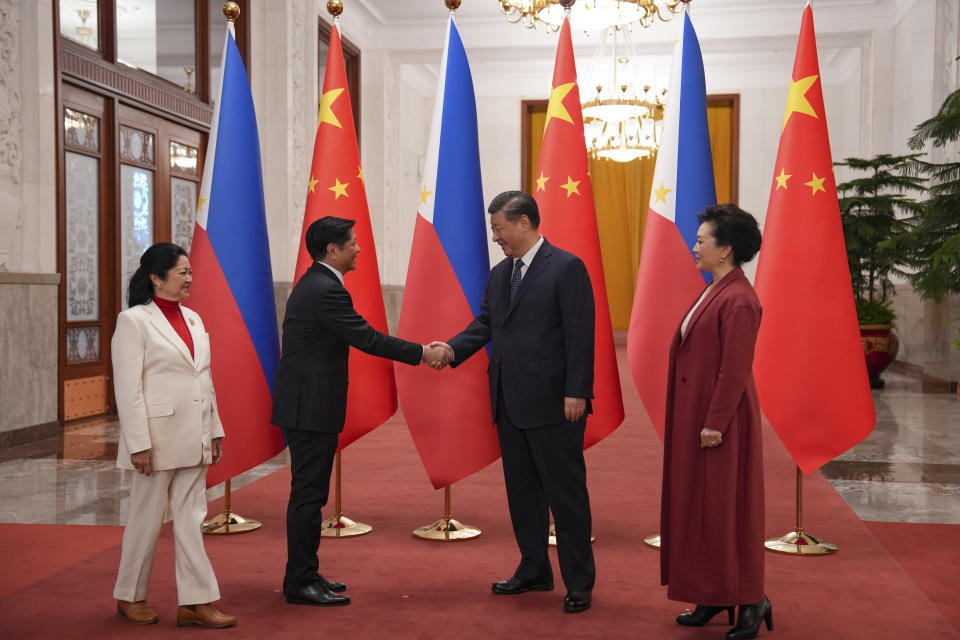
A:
[(702, 615), (748, 624)]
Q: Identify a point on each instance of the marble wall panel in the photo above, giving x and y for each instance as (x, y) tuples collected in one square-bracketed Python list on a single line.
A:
[(28, 349)]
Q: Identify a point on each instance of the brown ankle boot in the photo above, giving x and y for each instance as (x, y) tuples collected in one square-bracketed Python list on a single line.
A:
[(138, 612), (203, 615)]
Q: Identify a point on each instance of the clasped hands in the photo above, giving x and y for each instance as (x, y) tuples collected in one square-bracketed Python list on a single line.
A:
[(437, 354)]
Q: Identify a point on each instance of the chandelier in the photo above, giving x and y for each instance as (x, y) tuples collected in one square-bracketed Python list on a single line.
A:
[(621, 121), (588, 15)]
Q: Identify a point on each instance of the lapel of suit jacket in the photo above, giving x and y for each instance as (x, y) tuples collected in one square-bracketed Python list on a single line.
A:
[(539, 265), (161, 324), (733, 276), (194, 328)]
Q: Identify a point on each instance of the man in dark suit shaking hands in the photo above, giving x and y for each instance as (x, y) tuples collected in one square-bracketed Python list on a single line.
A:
[(310, 394), (538, 316)]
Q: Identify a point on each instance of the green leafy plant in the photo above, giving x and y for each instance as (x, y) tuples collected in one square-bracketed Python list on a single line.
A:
[(874, 312), (931, 247), (875, 209)]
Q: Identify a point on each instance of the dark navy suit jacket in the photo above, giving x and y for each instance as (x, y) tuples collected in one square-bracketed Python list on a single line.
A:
[(541, 346)]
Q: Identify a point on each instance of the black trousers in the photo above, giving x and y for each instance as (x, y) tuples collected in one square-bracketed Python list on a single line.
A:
[(311, 461), (544, 471)]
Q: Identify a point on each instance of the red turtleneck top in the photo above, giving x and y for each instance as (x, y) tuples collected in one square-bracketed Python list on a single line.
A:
[(171, 311)]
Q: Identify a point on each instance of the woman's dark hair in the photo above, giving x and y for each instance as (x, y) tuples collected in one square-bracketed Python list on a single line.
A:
[(157, 260), (734, 227), (324, 231), (514, 204)]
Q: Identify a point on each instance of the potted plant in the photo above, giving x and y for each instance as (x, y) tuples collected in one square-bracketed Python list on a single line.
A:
[(873, 209), (931, 247)]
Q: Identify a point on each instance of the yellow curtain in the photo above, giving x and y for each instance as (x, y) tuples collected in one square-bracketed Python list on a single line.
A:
[(720, 123), (621, 193)]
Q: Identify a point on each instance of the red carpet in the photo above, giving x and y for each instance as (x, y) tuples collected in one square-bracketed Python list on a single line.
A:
[(407, 588), (929, 553)]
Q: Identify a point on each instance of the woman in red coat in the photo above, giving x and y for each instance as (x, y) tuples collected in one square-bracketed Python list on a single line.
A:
[(711, 519)]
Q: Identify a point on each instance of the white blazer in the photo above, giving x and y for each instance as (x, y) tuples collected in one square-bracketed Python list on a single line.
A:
[(165, 398)]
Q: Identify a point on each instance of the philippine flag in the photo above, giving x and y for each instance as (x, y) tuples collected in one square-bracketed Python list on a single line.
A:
[(668, 280), (449, 414), (232, 279)]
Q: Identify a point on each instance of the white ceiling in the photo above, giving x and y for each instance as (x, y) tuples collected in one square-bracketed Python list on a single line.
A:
[(744, 42)]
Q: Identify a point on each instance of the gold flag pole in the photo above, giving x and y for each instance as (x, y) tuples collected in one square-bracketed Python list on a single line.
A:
[(446, 528), (228, 523), (798, 542), (653, 541), (338, 525)]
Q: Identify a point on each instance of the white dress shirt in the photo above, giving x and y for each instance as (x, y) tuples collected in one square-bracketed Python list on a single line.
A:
[(528, 258), (336, 271)]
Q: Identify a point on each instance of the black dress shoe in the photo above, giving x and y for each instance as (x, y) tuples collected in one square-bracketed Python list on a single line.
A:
[(577, 601), (702, 615), (513, 586), (748, 623), (336, 587), (317, 595)]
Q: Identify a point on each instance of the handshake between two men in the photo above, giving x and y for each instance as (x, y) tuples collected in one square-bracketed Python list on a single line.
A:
[(437, 354)]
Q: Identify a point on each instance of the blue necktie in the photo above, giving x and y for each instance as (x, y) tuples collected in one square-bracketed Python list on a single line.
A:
[(515, 280)]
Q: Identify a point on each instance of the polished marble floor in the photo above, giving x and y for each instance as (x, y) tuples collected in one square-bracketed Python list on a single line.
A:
[(907, 470)]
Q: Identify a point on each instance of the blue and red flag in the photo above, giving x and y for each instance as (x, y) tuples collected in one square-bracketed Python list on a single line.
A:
[(668, 280), (449, 415), (233, 282)]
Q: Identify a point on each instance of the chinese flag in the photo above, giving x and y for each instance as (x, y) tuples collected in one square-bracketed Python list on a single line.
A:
[(568, 220), (336, 189), (809, 365)]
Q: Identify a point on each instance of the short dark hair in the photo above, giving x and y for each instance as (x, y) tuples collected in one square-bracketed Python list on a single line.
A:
[(327, 229), (514, 204), (157, 260), (734, 227)]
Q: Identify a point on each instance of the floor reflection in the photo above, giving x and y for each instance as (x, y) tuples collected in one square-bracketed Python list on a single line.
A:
[(907, 470), (72, 478)]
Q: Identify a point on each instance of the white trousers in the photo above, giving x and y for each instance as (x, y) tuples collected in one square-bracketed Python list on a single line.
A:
[(181, 493)]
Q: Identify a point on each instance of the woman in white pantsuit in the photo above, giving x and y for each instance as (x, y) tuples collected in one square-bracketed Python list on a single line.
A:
[(169, 432)]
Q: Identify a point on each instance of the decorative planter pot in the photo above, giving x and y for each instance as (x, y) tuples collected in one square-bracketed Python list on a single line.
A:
[(880, 346)]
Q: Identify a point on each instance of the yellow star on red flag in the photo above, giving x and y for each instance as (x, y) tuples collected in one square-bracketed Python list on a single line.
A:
[(326, 108), (555, 108), (816, 184), (339, 189), (797, 99), (782, 179), (542, 182), (312, 186), (572, 186)]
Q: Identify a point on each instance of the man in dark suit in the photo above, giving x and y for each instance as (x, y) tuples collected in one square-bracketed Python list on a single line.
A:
[(538, 316), (310, 394)]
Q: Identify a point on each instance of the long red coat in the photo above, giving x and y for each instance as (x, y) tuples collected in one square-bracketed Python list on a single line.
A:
[(711, 513)]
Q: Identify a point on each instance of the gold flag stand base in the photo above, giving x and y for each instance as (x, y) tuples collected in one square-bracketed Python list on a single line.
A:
[(229, 523), (338, 525), (798, 542), (552, 536), (653, 541), (446, 528)]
